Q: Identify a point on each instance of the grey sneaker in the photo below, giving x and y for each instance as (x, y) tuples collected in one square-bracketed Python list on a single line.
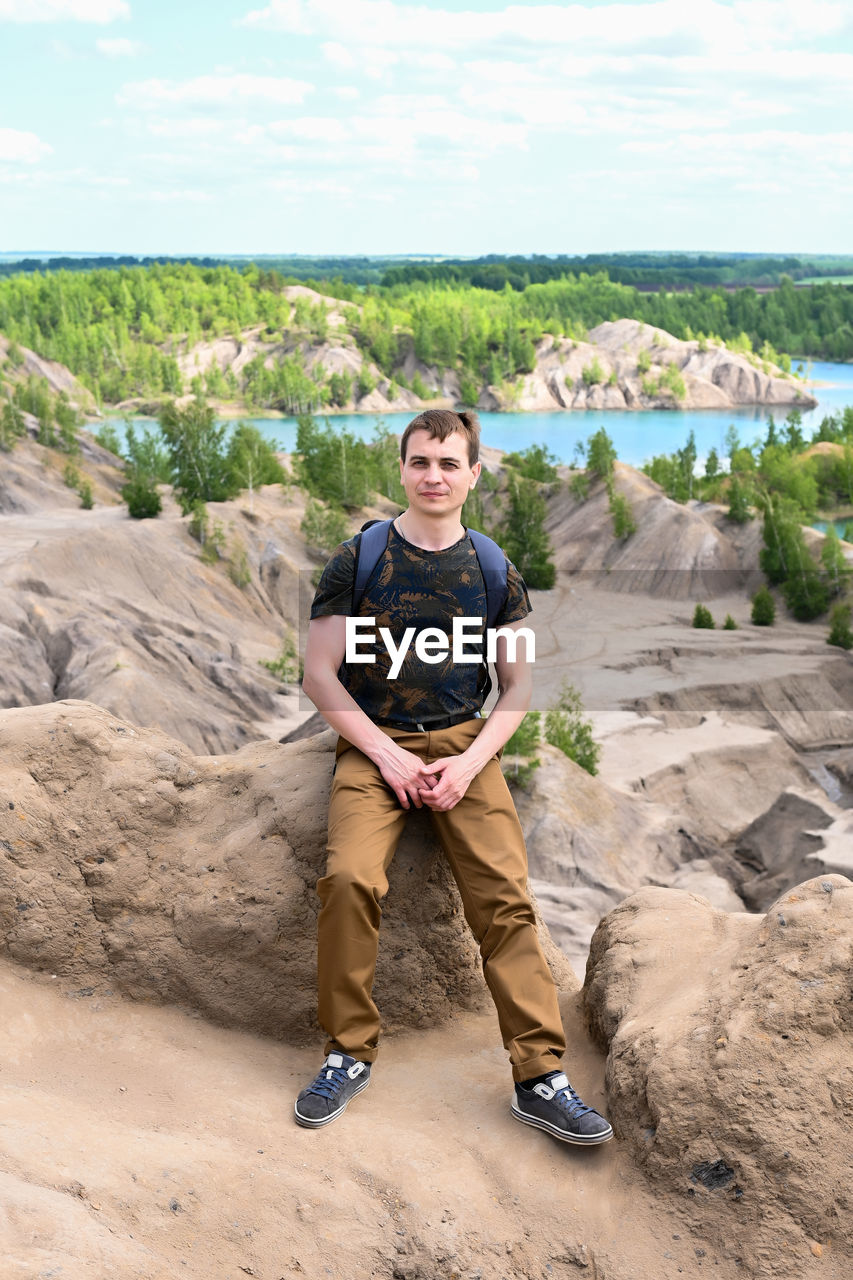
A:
[(552, 1104), (338, 1081)]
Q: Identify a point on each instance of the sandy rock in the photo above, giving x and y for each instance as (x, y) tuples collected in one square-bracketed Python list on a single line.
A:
[(809, 708), (676, 552), (57, 376), (730, 1043), (126, 861)]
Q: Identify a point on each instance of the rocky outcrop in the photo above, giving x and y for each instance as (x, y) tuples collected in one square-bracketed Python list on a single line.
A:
[(811, 706), (626, 364), (127, 862), (677, 552), (730, 1042), (57, 376)]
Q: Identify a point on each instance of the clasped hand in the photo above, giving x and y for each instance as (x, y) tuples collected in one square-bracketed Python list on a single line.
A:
[(440, 785)]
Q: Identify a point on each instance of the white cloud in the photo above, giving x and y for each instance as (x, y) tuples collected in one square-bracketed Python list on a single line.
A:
[(311, 129), (347, 92), (196, 127), (296, 185), (215, 90), (177, 197), (118, 48), (63, 10), (669, 26), (21, 147), (338, 55)]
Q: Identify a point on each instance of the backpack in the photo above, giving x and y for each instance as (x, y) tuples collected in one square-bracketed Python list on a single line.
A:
[(373, 540)]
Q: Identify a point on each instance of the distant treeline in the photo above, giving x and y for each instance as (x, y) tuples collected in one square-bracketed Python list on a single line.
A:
[(492, 271), (357, 271), (646, 270)]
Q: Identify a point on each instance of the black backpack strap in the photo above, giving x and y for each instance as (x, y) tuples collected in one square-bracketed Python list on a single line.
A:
[(493, 568), (370, 544)]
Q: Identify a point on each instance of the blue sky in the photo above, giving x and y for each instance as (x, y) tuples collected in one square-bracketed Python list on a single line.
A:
[(375, 126)]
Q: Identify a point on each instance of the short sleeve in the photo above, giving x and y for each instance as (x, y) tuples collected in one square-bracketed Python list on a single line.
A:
[(517, 604), (334, 594)]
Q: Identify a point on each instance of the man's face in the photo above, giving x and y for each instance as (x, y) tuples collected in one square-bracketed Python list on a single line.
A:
[(436, 474)]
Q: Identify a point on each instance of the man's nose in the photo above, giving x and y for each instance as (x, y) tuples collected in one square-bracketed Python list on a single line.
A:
[(434, 473)]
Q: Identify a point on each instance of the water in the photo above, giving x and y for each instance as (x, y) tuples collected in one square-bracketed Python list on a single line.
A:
[(636, 436)]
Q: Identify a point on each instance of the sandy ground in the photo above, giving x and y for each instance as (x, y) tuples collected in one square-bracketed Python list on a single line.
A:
[(140, 1142)]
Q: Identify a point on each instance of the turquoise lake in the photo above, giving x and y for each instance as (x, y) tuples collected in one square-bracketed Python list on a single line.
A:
[(637, 436)]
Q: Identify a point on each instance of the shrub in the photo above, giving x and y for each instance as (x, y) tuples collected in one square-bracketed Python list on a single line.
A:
[(644, 360), (579, 486), (840, 633), (702, 618), (71, 476), (566, 729), (239, 569), (521, 750), (84, 489), (287, 667), (536, 462), (730, 624), (324, 527), (593, 373), (107, 437), (140, 494), (763, 608), (624, 523)]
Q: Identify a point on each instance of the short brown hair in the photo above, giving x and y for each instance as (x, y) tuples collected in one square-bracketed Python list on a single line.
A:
[(441, 423)]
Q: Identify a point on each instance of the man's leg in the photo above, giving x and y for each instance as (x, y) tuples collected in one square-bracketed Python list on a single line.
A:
[(365, 825), (484, 844)]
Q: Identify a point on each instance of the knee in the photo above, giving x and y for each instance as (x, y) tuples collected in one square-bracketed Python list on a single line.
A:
[(506, 922), (347, 886)]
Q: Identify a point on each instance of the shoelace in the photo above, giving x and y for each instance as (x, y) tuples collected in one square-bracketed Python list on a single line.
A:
[(329, 1082), (570, 1102)]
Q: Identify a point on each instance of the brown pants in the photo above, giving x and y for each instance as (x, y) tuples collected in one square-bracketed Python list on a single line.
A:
[(484, 846)]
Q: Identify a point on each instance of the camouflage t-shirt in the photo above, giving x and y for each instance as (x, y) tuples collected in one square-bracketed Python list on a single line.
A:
[(413, 587)]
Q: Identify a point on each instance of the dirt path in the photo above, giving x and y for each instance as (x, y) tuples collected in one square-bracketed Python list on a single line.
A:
[(141, 1143)]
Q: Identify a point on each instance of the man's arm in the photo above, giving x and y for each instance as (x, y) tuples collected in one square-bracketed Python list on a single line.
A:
[(515, 682), (324, 653)]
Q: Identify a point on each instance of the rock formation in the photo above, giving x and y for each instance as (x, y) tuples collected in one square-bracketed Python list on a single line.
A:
[(713, 378), (730, 1042), (127, 862)]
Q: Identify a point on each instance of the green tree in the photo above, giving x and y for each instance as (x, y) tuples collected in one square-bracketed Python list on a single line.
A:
[(687, 462), (251, 461), (600, 454), (712, 464), (702, 618), (333, 465), (730, 624), (140, 494), (624, 523), (197, 455), (840, 633), (522, 533), (763, 608), (568, 730), (536, 462), (520, 758), (324, 527), (739, 508), (834, 564), (11, 426)]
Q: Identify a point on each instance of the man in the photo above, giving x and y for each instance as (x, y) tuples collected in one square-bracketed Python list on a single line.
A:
[(411, 735)]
